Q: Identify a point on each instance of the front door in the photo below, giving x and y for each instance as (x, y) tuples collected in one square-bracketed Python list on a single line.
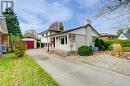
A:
[(53, 41)]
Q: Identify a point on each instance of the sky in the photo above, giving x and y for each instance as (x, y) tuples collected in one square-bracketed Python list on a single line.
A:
[(39, 14)]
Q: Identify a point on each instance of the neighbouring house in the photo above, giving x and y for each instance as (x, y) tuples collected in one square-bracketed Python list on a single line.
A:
[(124, 36), (106, 36), (71, 40), (4, 36), (53, 29), (30, 42)]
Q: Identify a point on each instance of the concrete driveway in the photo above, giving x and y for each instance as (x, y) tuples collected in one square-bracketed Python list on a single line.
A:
[(73, 73)]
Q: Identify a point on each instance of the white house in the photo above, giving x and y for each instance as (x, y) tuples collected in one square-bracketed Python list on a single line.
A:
[(72, 39), (124, 36), (54, 28)]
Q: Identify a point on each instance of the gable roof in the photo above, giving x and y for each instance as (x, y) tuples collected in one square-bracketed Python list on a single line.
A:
[(3, 26), (106, 34), (127, 34), (77, 29)]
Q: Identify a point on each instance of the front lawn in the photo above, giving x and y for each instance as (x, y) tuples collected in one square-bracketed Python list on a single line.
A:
[(23, 72)]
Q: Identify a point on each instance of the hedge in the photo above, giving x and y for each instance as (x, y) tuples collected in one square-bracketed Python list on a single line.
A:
[(124, 43), (126, 49)]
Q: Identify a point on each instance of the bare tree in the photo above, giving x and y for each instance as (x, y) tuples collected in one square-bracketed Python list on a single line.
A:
[(111, 5)]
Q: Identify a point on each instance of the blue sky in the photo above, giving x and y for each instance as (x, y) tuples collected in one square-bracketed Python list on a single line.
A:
[(39, 14)]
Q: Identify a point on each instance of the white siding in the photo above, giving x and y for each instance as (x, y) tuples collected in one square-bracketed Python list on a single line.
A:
[(80, 40), (79, 31), (122, 37)]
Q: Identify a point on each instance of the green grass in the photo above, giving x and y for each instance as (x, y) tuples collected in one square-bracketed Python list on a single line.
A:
[(23, 72)]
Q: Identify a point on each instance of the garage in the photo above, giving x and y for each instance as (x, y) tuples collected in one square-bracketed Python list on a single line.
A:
[(30, 42)]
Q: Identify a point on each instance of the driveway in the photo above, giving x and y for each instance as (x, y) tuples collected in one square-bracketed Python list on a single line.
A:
[(74, 73)]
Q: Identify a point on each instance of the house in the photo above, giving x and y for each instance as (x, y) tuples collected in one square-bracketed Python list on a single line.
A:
[(106, 36), (53, 29), (71, 40), (30, 42), (124, 36), (4, 36)]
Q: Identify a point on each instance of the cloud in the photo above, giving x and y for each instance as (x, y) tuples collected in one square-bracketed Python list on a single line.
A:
[(87, 3), (35, 14)]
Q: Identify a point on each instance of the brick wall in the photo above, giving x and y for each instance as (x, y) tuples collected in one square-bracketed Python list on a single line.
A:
[(5, 40)]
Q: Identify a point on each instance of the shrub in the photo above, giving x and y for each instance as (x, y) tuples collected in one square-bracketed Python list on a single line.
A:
[(38, 44), (85, 50), (19, 48), (126, 49), (97, 42), (100, 44), (110, 48), (116, 49), (124, 43)]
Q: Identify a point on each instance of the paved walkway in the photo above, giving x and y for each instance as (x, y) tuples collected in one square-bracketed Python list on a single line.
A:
[(74, 73)]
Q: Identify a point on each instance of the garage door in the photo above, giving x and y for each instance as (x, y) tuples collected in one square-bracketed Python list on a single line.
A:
[(30, 44)]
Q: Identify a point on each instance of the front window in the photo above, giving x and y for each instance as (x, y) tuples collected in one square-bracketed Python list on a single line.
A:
[(64, 40)]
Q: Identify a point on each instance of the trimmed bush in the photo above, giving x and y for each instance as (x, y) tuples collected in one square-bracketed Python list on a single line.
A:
[(85, 50), (19, 48), (124, 43)]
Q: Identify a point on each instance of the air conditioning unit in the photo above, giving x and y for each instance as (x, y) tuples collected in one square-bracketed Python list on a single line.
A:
[(3, 48)]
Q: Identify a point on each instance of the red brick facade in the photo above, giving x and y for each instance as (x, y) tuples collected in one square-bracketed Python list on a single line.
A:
[(4, 39)]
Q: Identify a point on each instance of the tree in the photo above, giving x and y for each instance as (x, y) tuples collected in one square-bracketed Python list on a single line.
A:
[(100, 44), (61, 26), (12, 22), (119, 32), (111, 5), (97, 42), (12, 39), (128, 30), (30, 33)]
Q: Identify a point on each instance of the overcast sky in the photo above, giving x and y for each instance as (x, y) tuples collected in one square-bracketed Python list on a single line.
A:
[(39, 14)]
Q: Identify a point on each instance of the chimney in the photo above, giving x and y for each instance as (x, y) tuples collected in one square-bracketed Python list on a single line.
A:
[(88, 22)]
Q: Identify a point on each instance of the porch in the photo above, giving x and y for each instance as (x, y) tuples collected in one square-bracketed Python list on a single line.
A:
[(64, 42)]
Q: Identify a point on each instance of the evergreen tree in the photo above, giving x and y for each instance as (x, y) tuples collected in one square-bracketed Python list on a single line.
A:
[(12, 23), (119, 32), (61, 26), (97, 42)]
